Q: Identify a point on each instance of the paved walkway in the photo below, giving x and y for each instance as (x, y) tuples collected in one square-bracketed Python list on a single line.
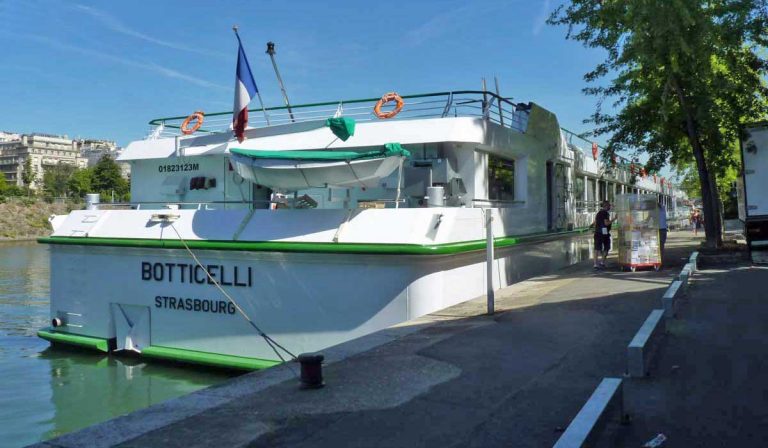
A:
[(456, 378), (709, 387)]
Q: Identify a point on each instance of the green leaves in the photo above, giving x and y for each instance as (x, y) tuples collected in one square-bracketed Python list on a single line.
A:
[(682, 74), (107, 179)]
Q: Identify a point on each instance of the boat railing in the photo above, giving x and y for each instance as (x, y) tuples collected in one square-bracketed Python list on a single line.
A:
[(587, 206), (464, 103), (286, 202), (581, 139), (494, 203), (170, 205)]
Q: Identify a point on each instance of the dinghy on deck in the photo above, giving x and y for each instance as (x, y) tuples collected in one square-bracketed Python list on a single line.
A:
[(297, 170)]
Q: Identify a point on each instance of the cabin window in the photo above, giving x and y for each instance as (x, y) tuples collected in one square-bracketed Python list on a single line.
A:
[(501, 179), (591, 190), (578, 189)]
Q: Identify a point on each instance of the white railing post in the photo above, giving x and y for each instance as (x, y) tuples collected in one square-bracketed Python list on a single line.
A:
[(489, 259)]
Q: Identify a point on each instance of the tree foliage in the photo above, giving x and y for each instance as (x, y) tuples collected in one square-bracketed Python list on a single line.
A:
[(80, 182), (55, 179), (28, 175), (107, 178), (684, 75)]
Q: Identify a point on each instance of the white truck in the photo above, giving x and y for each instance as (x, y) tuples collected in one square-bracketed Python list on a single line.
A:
[(753, 189)]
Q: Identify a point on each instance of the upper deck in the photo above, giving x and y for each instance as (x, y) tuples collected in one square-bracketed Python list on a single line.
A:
[(470, 142)]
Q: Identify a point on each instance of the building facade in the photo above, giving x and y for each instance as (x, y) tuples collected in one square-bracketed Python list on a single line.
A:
[(43, 152), (94, 150)]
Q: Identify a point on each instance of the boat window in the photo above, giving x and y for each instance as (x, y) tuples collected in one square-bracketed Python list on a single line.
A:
[(501, 179), (591, 190), (578, 189)]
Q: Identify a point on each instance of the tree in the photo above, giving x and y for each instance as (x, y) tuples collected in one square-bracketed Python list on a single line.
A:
[(685, 74), (107, 178), (28, 175), (3, 185), (56, 178), (80, 182)]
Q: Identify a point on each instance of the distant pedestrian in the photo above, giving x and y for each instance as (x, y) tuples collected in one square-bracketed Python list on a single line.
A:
[(696, 221), (662, 228), (602, 234)]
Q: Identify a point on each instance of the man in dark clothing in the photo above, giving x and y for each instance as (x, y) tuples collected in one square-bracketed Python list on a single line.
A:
[(602, 234), (662, 228)]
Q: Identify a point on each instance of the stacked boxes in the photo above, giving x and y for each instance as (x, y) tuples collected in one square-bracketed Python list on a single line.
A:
[(637, 219)]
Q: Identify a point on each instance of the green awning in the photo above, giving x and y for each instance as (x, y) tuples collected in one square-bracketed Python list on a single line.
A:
[(388, 150), (341, 127)]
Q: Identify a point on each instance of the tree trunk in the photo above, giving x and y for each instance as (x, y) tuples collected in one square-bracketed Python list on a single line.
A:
[(709, 196)]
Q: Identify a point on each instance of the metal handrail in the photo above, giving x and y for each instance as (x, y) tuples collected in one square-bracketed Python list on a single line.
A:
[(621, 162), (200, 204), (498, 201), (157, 121), (439, 104)]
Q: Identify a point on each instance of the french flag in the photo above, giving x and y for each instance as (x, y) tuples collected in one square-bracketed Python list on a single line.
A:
[(245, 89)]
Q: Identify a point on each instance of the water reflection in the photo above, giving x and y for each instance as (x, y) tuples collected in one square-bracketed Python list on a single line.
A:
[(46, 392)]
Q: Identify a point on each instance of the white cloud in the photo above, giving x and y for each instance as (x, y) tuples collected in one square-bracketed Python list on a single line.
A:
[(436, 26), (541, 19), (115, 25), (152, 67)]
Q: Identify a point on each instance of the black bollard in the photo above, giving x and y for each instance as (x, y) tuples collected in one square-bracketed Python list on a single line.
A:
[(311, 370)]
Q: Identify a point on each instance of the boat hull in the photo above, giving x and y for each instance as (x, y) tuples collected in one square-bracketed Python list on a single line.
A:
[(160, 303)]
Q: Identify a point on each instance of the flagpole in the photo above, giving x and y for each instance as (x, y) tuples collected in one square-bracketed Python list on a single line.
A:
[(258, 94)]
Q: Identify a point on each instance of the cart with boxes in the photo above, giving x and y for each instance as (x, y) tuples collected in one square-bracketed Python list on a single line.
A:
[(637, 219)]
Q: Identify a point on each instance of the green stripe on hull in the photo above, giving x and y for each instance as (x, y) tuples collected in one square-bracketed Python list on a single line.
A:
[(302, 247), (165, 353), (207, 359), (99, 344)]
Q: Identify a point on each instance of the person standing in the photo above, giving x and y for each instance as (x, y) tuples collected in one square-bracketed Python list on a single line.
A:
[(696, 218), (662, 228), (602, 234)]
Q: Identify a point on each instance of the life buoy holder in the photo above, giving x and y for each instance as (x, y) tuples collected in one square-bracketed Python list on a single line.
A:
[(387, 97), (198, 116)]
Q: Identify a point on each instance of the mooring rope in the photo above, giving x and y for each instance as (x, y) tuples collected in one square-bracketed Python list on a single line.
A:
[(274, 345)]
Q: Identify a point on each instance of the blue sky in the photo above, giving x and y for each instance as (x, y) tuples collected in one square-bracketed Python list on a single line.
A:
[(104, 69)]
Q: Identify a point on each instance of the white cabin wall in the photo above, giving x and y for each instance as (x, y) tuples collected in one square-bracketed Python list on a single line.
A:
[(473, 169), (236, 189), (521, 178), (168, 180), (531, 151)]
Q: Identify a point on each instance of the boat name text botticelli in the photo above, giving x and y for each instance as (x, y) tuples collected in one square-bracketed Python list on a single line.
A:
[(192, 273)]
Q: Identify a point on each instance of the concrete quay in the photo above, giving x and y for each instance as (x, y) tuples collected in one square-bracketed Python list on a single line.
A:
[(517, 378)]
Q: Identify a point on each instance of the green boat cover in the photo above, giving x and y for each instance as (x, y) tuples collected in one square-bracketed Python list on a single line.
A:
[(341, 127), (388, 150)]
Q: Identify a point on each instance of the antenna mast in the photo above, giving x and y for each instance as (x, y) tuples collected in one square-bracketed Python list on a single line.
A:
[(271, 53)]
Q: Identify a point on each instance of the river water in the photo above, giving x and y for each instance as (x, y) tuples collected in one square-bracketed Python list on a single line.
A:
[(46, 392)]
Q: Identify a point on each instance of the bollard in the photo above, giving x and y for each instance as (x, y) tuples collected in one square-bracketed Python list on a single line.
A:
[(694, 261), (311, 370)]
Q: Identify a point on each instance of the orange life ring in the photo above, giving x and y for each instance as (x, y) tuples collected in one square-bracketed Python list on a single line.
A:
[(198, 116), (391, 96)]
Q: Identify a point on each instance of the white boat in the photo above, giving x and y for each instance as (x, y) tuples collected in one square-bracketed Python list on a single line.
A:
[(199, 266)]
